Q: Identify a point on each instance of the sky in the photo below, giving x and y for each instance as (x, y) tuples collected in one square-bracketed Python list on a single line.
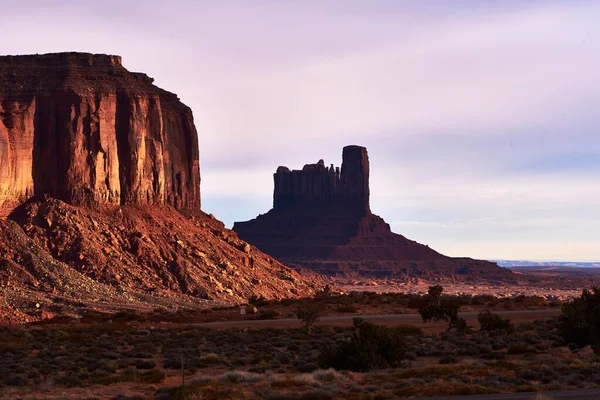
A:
[(481, 118)]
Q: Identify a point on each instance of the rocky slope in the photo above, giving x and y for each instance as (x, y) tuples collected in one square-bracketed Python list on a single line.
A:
[(131, 257), (321, 219), (100, 181)]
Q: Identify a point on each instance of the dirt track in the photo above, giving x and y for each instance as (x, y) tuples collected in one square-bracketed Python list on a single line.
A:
[(382, 319)]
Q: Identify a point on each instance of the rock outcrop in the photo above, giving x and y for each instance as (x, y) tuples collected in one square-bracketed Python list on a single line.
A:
[(321, 188), (81, 128), (100, 181), (321, 219)]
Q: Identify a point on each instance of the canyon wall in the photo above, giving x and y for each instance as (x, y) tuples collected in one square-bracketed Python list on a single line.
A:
[(81, 128)]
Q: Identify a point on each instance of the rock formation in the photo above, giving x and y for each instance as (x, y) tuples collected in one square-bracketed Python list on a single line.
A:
[(321, 220), (100, 181), (81, 128), (321, 188)]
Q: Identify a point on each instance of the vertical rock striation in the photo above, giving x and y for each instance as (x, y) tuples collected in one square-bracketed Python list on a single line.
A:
[(83, 129)]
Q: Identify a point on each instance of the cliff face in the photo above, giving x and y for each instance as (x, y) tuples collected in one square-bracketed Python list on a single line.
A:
[(83, 129), (321, 220)]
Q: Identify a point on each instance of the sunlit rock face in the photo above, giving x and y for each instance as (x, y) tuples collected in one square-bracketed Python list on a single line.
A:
[(83, 129)]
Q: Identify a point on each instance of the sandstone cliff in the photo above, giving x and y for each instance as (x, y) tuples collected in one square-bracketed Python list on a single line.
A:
[(321, 220), (83, 129)]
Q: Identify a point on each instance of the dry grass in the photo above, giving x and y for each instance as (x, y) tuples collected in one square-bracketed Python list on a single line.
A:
[(109, 359)]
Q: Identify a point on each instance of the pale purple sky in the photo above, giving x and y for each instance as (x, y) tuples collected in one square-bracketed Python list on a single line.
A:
[(481, 117)]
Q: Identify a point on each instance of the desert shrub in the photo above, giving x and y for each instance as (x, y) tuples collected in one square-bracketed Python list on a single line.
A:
[(408, 330), (288, 302), (125, 397), (528, 374), (541, 396), (580, 320), (494, 322), (145, 364), (494, 356), (68, 381), (448, 360), (258, 301), (208, 390), (152, 376), (469, 351), (519, 348), (370, 347), (210, 359), (172, 363), (16, 380), (327, 375), (302, 366), (293, 347), (347, 308), (442, 308), (318, 394), (33, 373), (276, 395), (481, 300), (268, 314), (129, 315), (308, 312), (139, 354), (240, 376)]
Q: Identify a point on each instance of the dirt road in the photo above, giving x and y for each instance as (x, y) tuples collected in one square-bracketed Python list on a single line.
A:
[(517, 316)]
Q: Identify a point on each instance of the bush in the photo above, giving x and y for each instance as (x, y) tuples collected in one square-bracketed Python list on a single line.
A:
[(16, 380), (370, 347), (442, 308), (408, 330), (268, 314), (258, 301), (580, 320), (347, 308), (68, 381), (237, 376), (448, 360), (494, 322), (128, 315), (528, 374), (519, 348), (308, 312), (145, 364)]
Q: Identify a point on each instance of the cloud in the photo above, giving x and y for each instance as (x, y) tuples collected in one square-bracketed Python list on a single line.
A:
[(480, 117)]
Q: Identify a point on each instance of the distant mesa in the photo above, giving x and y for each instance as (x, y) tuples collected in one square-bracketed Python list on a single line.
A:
[(321, 220)]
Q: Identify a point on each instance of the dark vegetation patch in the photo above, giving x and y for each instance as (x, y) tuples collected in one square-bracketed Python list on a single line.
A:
[(392, 362)]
